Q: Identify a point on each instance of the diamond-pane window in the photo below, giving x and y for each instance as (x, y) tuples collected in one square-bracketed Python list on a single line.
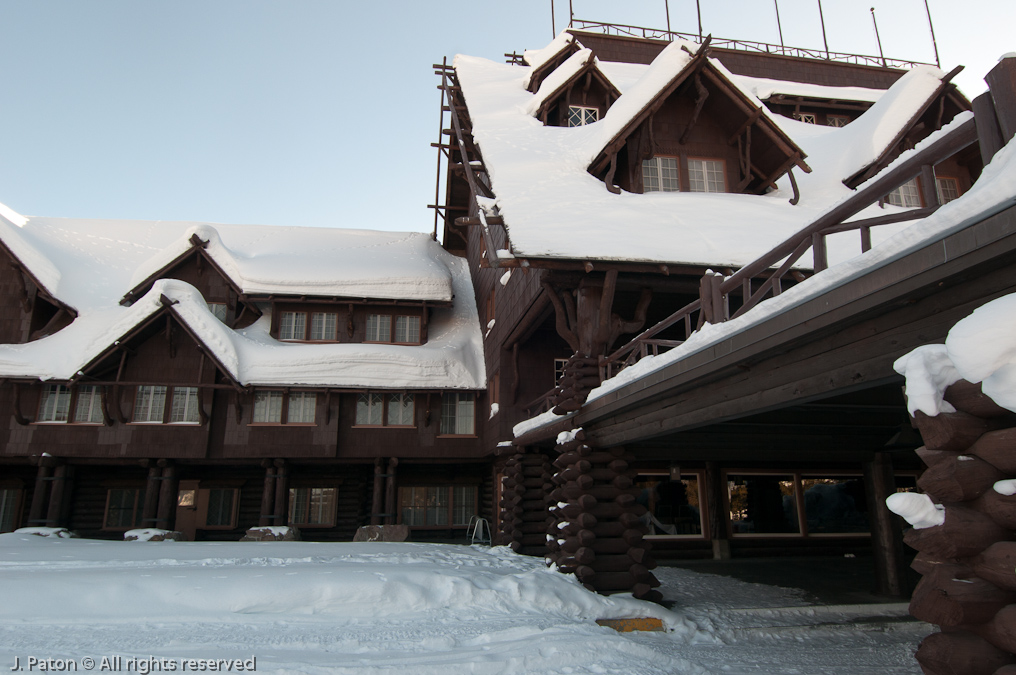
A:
[(400, 410), (579, 116)]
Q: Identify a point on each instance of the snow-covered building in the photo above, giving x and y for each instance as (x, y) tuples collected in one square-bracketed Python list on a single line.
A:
[(216, 377), (607, 184)]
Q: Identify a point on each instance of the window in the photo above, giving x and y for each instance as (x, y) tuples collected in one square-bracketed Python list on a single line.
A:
[(324, 326), (10, 507), (88, 407), (763, 504), (458, 414), (673, 505), (150, 404), (185, 409), (706, 175), (55, 403), (837, 120), (948, 189), (313, 506), (221, 508), (907, 195), (579, 116), (379, 329), (292, 326), (659, 174), (276, 407), (123, 510), (437, 505), (559, 365), (218, 309), (835, 505), (393, 410), (807, 118)]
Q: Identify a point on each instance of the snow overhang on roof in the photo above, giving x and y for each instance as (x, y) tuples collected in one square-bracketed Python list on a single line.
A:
[(553, 208), (579, 63), (542, 61)]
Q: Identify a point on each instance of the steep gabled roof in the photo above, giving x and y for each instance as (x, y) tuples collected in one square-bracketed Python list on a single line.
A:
[(677, 64), (544, 61), (28, 259), (582, 63)]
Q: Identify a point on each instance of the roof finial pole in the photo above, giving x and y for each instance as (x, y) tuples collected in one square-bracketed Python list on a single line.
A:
[(779, 26), (571, 14), (932, 27), (666, 5), (553, 25), (698, 8), (821, 18), (879, 39)]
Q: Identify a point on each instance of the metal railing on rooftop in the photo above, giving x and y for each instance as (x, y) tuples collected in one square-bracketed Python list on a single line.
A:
[(743, 45)]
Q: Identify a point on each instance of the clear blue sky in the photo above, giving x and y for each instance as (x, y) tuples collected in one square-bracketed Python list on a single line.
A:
[(321, 112)]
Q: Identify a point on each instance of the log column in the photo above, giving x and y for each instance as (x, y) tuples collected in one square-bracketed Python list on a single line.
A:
[(168, 495), (40, 495), (267, 516), (153, 487), (390, 495), (281, 492), (596, 522), (524, 512), (59, 496), (377, 495), (886, 536), (968, 587)]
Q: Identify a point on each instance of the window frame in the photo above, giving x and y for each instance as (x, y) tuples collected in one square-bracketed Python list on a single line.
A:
[(703, 507), (386, 399), (655, 160), (723, 171), (450, 500), (308, 325), (806, 117), (202, 501), (940, 181), (584, 110), (332, 510), (58, 390), (169, 396), (136, 511), (458, 395), (840, 121), (393, 319), (913, 183), (283, 421)]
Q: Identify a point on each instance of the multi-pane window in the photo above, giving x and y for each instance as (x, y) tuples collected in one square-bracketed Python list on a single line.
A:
[(763, 504), (579, 116), (293, 326), (88, 407), (559, 365), (659, 174), (458, 413), (313, 506), (401, 410), (706, 175), (10, 502), (150, 404), (837, 120), (907, 195), (437, 505), (379, 328), (218, 310), (185, 407), (393, 410), (948, 189), (807, 118), (55, 404), (323, 326), (407, 329), (302, 407), (674, 504), (268, 407), (221, 511), (123, 508)]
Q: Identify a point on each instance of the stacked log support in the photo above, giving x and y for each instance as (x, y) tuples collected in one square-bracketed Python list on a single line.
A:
[(581, 375), (595, 528), (968, 562), (523, 504)]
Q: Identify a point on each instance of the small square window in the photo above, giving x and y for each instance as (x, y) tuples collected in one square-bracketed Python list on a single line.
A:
[(302, 407), (907, 195), (401, 409), (837, 120), (379, 328), (323, 326), (706, 175), (218, 310), (659, 174), (293, 326), (150, 404), (369, 409), (807, 118), (407, 329), (185, 408), (579, 116), (268, 407), (313, 506), (948, 189)]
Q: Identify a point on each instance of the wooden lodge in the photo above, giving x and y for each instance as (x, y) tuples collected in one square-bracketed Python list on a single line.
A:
[(634, 199)]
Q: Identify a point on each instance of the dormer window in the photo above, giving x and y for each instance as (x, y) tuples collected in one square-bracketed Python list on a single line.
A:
[(323, 326), (218, 309), (907, 195), (659, 174), (706, 175), (837, 120), (379, 329), (807, 118), (580, 116)]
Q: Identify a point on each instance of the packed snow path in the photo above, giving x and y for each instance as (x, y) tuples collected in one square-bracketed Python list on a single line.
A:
[(408, 609)]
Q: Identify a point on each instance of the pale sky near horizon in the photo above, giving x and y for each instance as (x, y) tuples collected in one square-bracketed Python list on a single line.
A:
[(322, 112)]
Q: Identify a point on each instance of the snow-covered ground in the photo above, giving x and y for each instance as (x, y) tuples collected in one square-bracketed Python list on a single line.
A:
[(301, 607)]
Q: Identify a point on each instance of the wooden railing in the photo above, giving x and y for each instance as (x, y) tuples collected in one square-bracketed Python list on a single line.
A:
[(744, 45), (713, 305)]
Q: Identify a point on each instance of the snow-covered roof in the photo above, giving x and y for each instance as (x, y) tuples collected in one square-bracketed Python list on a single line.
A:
[(91, 264), (561, 75), (552, 207)]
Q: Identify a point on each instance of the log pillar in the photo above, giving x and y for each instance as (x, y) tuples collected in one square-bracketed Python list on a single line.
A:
[(168, 495), (390, 507), (524, 502), (267, 516), (281, 493), (377, 494), (40, 495), (59, 497), (153, 487), (716, 511), (886, 535)]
